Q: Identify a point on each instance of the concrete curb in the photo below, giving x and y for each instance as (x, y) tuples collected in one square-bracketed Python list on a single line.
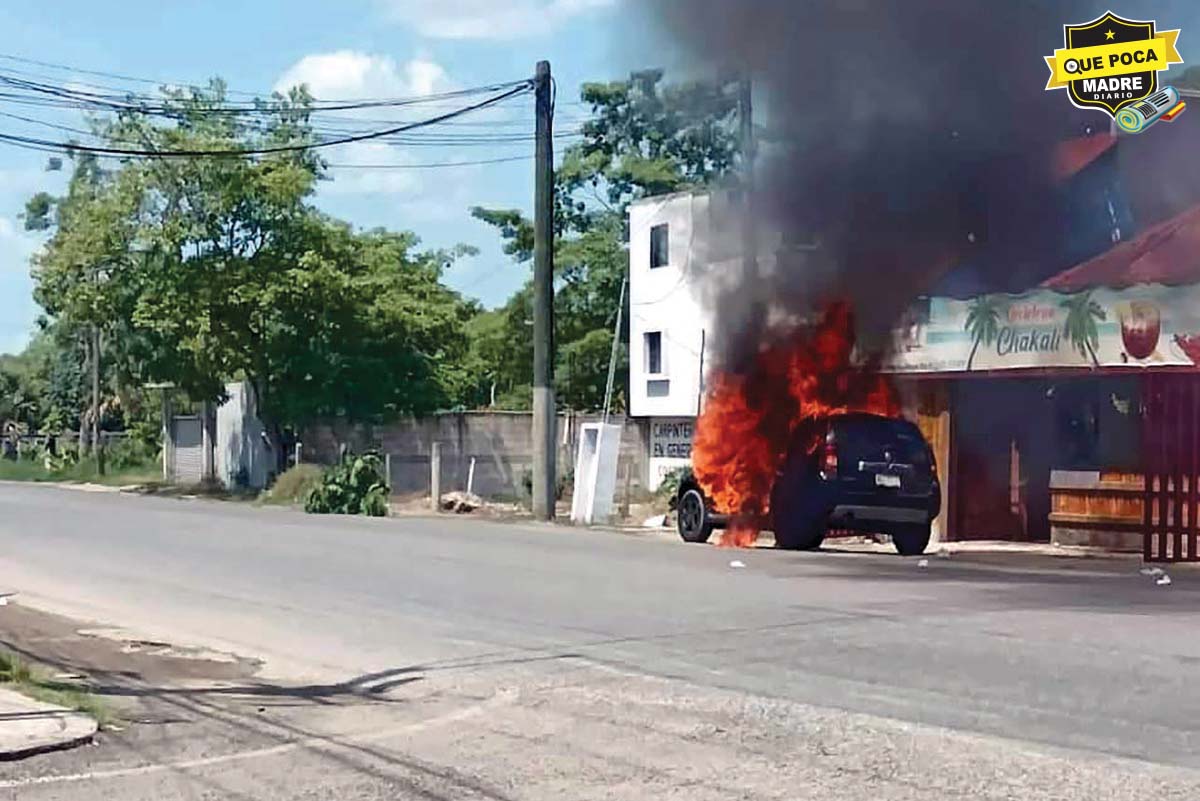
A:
[(78, 486), (29, 727)]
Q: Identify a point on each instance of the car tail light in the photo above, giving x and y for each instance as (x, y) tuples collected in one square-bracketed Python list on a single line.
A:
[(829, 457)]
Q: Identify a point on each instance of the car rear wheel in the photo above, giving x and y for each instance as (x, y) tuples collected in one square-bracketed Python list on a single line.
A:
[(793, 536), (911, 540), (692, 517), (799, 516)]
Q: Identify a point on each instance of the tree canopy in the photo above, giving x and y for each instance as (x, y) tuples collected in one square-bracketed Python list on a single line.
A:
[(202, 270)]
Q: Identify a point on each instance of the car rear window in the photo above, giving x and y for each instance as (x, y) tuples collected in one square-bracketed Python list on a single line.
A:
[(868, 436)]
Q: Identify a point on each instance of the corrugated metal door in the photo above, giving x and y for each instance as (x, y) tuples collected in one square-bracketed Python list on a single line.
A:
[(188, 463)]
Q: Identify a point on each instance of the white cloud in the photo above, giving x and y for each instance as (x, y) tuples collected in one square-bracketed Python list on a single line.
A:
[(488, 19), (346, 74), (349, 181), (16, 245), (16, 287), (349, 74)]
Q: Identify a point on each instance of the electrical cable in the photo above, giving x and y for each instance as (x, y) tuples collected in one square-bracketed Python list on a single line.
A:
[(520, 88), (67, 97), (430, 165)]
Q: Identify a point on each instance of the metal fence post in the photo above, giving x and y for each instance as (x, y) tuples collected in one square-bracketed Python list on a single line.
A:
[(435, 476)]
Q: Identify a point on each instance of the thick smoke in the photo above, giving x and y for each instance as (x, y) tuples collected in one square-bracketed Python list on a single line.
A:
[(904, 137)]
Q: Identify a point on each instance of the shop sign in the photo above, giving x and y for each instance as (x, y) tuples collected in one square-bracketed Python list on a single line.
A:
[(671, 438), (1141, 326)]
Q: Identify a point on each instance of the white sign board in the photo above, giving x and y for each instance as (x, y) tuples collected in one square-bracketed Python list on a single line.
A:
[(670, 446)]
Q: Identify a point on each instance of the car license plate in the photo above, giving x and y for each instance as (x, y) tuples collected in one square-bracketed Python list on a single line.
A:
[(882, 480)]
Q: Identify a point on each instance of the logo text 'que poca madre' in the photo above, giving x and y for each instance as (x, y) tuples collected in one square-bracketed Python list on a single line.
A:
[(1112, 63)]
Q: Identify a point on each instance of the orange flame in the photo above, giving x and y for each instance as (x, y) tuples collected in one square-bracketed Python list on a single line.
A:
[(741, 533), (751, 415)]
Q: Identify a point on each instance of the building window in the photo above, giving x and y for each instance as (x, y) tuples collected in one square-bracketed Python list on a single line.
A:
[(660, 246), (654, 354)]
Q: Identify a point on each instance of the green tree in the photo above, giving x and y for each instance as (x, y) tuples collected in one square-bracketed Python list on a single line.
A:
[(644, 138), (983, 322), (216, 269), (48, 375), (78, 275), (1080, 325)]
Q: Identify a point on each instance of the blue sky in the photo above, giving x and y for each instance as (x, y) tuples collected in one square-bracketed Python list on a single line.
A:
[(352, 48)]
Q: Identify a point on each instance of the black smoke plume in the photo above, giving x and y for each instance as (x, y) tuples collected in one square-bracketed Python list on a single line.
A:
[(904, 138)]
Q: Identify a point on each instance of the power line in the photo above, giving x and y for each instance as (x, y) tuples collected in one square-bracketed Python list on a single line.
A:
[(429, 165), (433, 140), (62, 96), (121, 77), (37, 143), (122, 93), (98, 73)]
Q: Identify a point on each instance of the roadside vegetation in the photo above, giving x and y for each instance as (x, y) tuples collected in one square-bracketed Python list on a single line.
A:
[(356, 486), (131, 461), (18, 675), (294, 486), (179, 280)]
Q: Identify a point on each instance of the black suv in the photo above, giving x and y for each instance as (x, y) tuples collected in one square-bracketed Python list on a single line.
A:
[(868, 473)]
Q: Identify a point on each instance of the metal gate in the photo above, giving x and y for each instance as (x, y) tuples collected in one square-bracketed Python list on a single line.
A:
[(1171, 465), (187, 451)]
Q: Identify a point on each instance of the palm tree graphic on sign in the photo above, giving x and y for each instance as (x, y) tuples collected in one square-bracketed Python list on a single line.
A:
[(1080, 327), (983, 322)]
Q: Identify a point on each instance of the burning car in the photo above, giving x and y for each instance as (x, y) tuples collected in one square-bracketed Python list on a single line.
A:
[(852, 471)]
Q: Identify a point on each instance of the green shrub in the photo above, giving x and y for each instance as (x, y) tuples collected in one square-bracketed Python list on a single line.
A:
[(295, 485), (36, 453), (668, 488), (131, 451), (355, 487)]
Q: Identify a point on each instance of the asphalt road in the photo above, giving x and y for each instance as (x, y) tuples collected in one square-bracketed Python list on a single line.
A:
[(538, 662)]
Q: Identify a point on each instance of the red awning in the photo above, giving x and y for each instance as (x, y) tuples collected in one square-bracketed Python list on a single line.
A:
[(1168, 253)]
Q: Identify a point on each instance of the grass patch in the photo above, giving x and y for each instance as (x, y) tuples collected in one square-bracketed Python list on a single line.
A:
[(292, 488), (18, 675), (80, 472)]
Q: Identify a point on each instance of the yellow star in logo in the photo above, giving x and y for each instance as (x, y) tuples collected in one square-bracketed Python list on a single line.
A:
[(1109, 34)]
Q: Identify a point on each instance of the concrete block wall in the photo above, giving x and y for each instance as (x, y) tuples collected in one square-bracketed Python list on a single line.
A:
[(500, 442)]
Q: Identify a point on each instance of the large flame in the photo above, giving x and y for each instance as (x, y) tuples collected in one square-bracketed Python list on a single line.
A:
[(752, 413)]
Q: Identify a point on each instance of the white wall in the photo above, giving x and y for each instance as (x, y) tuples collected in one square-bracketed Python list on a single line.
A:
[(666, 299), (678, 300), (241, 451)]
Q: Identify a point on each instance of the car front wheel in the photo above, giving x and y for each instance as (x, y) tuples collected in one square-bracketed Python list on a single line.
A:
[(692, 517)]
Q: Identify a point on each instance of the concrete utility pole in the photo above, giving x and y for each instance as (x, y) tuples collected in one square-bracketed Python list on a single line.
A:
[(97, 445), (612, 356), (435, 476), (83, 415), (544, 417)]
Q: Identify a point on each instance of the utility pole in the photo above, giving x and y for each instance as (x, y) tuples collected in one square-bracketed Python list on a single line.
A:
[(97, 445), (544, 416), (86, 341), (612, 356)]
